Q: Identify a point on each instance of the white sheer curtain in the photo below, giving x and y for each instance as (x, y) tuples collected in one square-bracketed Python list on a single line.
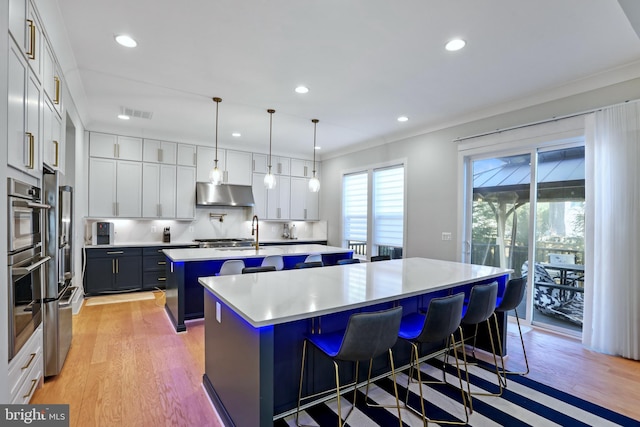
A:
[(612, 279)]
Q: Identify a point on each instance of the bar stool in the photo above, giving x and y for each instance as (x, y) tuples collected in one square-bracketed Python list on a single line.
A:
[(310, 264), (232, 266), (275, 260), (510, 300), (366, 336), (348, 261), (313, 258), (259, 269), (480, 308), (440, 322)]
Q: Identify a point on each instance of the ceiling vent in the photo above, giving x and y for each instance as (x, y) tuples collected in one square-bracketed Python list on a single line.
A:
[(137, 113)]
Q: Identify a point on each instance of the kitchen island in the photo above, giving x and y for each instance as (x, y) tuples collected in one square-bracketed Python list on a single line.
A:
[(185, 297), (255, 325)]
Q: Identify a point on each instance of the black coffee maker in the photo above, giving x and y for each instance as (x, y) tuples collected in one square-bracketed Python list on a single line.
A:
[(166, 235)]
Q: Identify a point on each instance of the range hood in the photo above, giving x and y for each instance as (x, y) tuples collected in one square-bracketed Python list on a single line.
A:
[(208, 194)]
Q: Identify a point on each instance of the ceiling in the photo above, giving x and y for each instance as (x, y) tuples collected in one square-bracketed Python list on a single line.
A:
[(365, 62)]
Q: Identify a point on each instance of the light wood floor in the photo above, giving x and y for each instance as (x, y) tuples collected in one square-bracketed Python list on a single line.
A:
[(127, 367)]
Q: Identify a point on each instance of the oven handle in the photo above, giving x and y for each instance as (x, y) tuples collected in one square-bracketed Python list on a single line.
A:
[(65, 302), (21, 271), (31, 205)]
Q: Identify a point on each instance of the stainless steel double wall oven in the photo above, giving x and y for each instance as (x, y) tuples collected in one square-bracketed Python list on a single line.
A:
[(26, 261)]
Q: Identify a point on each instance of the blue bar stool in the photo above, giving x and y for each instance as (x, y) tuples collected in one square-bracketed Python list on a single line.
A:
[(480, 308), (440, 323), (510, 300), (366, 336)]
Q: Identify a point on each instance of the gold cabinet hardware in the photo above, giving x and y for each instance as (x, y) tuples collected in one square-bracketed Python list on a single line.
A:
[(57, 97), (55, 163), (162, 279), (31, 357), (33, 384), (32, 149), (115, 252), (162, 262), (31, 54), (113, 266), (117, 266)]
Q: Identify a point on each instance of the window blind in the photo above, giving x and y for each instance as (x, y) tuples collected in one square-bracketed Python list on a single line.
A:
[(355, 197), (388, 206)]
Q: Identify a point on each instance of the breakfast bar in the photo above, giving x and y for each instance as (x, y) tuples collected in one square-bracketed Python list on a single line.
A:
[(255, 324)]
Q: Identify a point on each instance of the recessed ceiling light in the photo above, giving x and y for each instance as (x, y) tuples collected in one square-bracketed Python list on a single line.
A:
[(236, 134), (302, 89), (403, 118), (455, 44), (123, 117), (126, 40)]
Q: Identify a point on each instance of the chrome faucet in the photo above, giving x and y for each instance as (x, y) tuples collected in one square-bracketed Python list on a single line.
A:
[(255, 230)]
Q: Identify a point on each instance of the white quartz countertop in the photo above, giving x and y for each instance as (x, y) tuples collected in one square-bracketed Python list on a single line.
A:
[(204, 254), (139, 244), (271, 298)]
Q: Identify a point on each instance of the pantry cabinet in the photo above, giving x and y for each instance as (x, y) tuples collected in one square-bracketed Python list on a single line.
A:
[(158, 190), (115, 188), (186, 192), (278, 198), (304, 203)]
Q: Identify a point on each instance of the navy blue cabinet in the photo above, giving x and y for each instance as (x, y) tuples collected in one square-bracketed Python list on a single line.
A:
[(110, 270)]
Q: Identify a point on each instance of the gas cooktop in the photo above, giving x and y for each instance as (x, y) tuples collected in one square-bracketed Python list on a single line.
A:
[(223, 243)]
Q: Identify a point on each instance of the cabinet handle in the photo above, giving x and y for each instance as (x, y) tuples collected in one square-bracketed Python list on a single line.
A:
[(225, 175), (117, 266), (160, 154), (279, 168), (31, 357), (31, 155), (162, 262), (115, 252), (55, 163), (57, 97), (118, 145), (33, 384), (32, 39), (278, 212), (253, 165), (195, 159), (113, 266), (160, 250), (115, 150), (158, 209), (306, 171), (162, 279), (305, 213)]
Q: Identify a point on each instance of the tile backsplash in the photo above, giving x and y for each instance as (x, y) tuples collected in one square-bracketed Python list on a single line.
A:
[(236, 223)]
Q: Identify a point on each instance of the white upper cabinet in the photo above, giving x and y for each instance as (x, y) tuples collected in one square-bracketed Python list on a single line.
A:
[(159, 151), (206, 160), (115, 147), (259, 163), (18, 22), (304, 203), (187, 155), (238, 170), (51, 78), (279, 198), (158, 190), (281, 165), (53, 145), (115, 188), (186, 192), (24, 113), (259, 195), (302, 168)]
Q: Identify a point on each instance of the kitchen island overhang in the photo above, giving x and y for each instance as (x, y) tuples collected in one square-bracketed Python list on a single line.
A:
[(255, 324)]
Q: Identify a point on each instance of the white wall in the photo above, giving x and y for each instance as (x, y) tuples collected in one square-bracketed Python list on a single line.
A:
[(433, 172)]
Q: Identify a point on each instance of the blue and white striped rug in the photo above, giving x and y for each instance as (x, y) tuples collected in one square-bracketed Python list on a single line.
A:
[(524, 403)]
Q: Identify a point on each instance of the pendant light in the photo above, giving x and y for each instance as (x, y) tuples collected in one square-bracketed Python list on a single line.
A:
[(215, 176), (269, 179), (314, 182)]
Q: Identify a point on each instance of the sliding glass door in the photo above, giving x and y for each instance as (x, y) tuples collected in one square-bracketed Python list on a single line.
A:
[(527, 209)]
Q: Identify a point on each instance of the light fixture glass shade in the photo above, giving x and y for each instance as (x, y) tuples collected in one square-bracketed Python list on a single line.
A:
[(314, 184), (215, 176), (269, 181)]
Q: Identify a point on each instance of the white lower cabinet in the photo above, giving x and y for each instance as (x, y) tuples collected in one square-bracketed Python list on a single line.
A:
[(185, 192), (304, 203), (26, 369), (158, 190), (115, 188)]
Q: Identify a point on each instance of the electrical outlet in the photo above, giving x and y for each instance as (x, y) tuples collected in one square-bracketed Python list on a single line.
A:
[(446, 236), (153, 229)]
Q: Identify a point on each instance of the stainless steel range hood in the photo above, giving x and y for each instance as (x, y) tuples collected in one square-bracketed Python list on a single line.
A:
[(208, 194)]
